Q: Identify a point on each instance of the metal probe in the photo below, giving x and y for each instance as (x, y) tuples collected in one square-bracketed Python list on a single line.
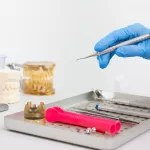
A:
[(110, 49)]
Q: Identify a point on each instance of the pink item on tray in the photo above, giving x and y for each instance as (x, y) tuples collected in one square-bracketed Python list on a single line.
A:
[(57, 114), (117, 123)]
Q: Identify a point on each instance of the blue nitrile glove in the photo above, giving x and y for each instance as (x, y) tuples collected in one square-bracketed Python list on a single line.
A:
[(141, 49)]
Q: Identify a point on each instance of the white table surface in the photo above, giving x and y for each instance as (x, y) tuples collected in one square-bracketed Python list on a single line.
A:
[(10, 140)]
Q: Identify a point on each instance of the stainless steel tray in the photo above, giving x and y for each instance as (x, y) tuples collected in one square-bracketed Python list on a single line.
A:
[(77, 135)]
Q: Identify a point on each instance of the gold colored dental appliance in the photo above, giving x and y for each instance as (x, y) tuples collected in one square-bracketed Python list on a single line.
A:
[(33, 112)]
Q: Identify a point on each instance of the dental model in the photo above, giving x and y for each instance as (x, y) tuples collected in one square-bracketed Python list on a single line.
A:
[(9, 86)]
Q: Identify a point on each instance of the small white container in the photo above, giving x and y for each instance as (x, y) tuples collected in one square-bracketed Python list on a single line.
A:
[(2, 61)]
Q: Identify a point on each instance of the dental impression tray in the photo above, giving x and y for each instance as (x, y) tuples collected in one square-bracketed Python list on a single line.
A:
[(132, 110)]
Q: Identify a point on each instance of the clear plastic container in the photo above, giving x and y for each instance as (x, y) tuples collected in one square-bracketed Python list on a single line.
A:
[(2, 61), (38, 78)]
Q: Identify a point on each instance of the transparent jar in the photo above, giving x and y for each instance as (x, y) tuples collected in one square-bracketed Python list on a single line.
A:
[(38, 78)]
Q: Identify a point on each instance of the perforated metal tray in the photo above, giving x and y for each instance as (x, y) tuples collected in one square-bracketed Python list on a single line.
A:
[(77, 135)]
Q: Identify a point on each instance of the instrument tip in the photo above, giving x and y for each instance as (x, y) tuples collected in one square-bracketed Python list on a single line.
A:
[(79, 59), (86, 57)]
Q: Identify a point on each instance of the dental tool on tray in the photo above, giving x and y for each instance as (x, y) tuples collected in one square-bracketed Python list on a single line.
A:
[(110, 49), (120, 106), (104, 115), (124, 111), (132, 103)]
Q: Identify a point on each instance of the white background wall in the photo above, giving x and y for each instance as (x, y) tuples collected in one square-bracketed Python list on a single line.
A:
[(63, 30)]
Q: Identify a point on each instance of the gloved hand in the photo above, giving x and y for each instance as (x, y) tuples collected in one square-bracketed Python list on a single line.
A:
[(141, 49)]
